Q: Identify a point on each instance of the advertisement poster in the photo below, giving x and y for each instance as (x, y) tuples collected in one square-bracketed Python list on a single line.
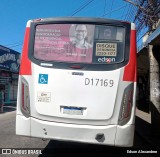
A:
[(64, 42)]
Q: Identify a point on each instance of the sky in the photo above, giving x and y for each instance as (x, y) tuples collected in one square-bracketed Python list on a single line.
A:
[(14, 14)]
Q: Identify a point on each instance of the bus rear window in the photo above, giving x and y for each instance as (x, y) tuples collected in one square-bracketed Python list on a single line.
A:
[(79, 43)]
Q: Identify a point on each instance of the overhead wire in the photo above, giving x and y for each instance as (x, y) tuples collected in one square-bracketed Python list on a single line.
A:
[(111, 8), (126, 17), (81, 7), (130, 14), (12, 44), (16, 45), (105, 4), (127, 14), (131, 11), (123, 12)]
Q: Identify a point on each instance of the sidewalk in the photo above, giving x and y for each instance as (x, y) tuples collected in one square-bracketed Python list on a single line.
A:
[(8, 108), (143, 128)]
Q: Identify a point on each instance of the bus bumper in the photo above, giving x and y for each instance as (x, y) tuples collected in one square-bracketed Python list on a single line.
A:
[(113, 135)]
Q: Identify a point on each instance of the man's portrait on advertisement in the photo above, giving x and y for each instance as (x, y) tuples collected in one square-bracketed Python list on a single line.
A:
[(81, 35), (80, 47)]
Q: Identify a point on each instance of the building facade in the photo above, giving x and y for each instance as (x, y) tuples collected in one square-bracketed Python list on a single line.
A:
[(9, 71)]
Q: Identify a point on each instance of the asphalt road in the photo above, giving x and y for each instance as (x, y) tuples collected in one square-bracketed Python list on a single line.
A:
[(8, 139)]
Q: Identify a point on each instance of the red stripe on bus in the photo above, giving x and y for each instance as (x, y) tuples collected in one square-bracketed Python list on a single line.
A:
[(25, 68), (130, 71)]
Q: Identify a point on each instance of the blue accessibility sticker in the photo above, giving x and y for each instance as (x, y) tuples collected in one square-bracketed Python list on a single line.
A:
[(43, 79)]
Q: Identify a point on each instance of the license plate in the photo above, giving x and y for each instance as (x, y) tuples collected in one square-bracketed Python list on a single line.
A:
[(73, 110)]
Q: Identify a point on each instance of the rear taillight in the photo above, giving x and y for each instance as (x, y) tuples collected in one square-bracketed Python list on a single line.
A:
[(25, 103), (126, 105)]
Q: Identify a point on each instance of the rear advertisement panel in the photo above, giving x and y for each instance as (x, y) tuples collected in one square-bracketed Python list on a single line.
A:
[(79, 43)]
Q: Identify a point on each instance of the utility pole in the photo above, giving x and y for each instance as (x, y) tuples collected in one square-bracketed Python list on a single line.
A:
[(154, 89)]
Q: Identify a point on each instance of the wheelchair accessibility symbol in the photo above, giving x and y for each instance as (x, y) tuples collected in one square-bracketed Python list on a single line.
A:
[(43, 79)]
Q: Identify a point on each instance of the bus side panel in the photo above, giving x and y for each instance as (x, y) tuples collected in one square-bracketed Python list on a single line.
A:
[(22, 122), (18, 111), (133, 109), (125, 135), (23, 125)]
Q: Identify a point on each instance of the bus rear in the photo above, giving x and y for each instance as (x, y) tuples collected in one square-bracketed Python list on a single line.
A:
[(77, 81)]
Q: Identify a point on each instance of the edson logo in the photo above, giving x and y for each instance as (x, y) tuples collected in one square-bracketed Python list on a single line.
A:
[(106, 60)]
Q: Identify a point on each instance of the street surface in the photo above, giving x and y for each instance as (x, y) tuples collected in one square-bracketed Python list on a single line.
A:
[(8, 139)]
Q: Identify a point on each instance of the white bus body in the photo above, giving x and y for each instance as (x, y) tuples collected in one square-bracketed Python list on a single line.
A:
[(75, 103)]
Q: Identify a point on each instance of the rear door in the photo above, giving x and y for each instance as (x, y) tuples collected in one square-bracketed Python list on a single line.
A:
[(75, 70)]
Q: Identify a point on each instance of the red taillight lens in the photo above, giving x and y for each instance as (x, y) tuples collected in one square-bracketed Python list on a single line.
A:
[(25, 104), (126, 105)]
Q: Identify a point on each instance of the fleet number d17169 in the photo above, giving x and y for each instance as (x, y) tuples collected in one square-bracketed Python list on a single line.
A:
[(99, 82)]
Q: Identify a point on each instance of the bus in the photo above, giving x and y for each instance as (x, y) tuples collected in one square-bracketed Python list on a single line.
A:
[(77, 81)]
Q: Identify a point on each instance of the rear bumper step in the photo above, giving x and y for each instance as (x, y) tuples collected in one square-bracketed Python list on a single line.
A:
[(106, 135)]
